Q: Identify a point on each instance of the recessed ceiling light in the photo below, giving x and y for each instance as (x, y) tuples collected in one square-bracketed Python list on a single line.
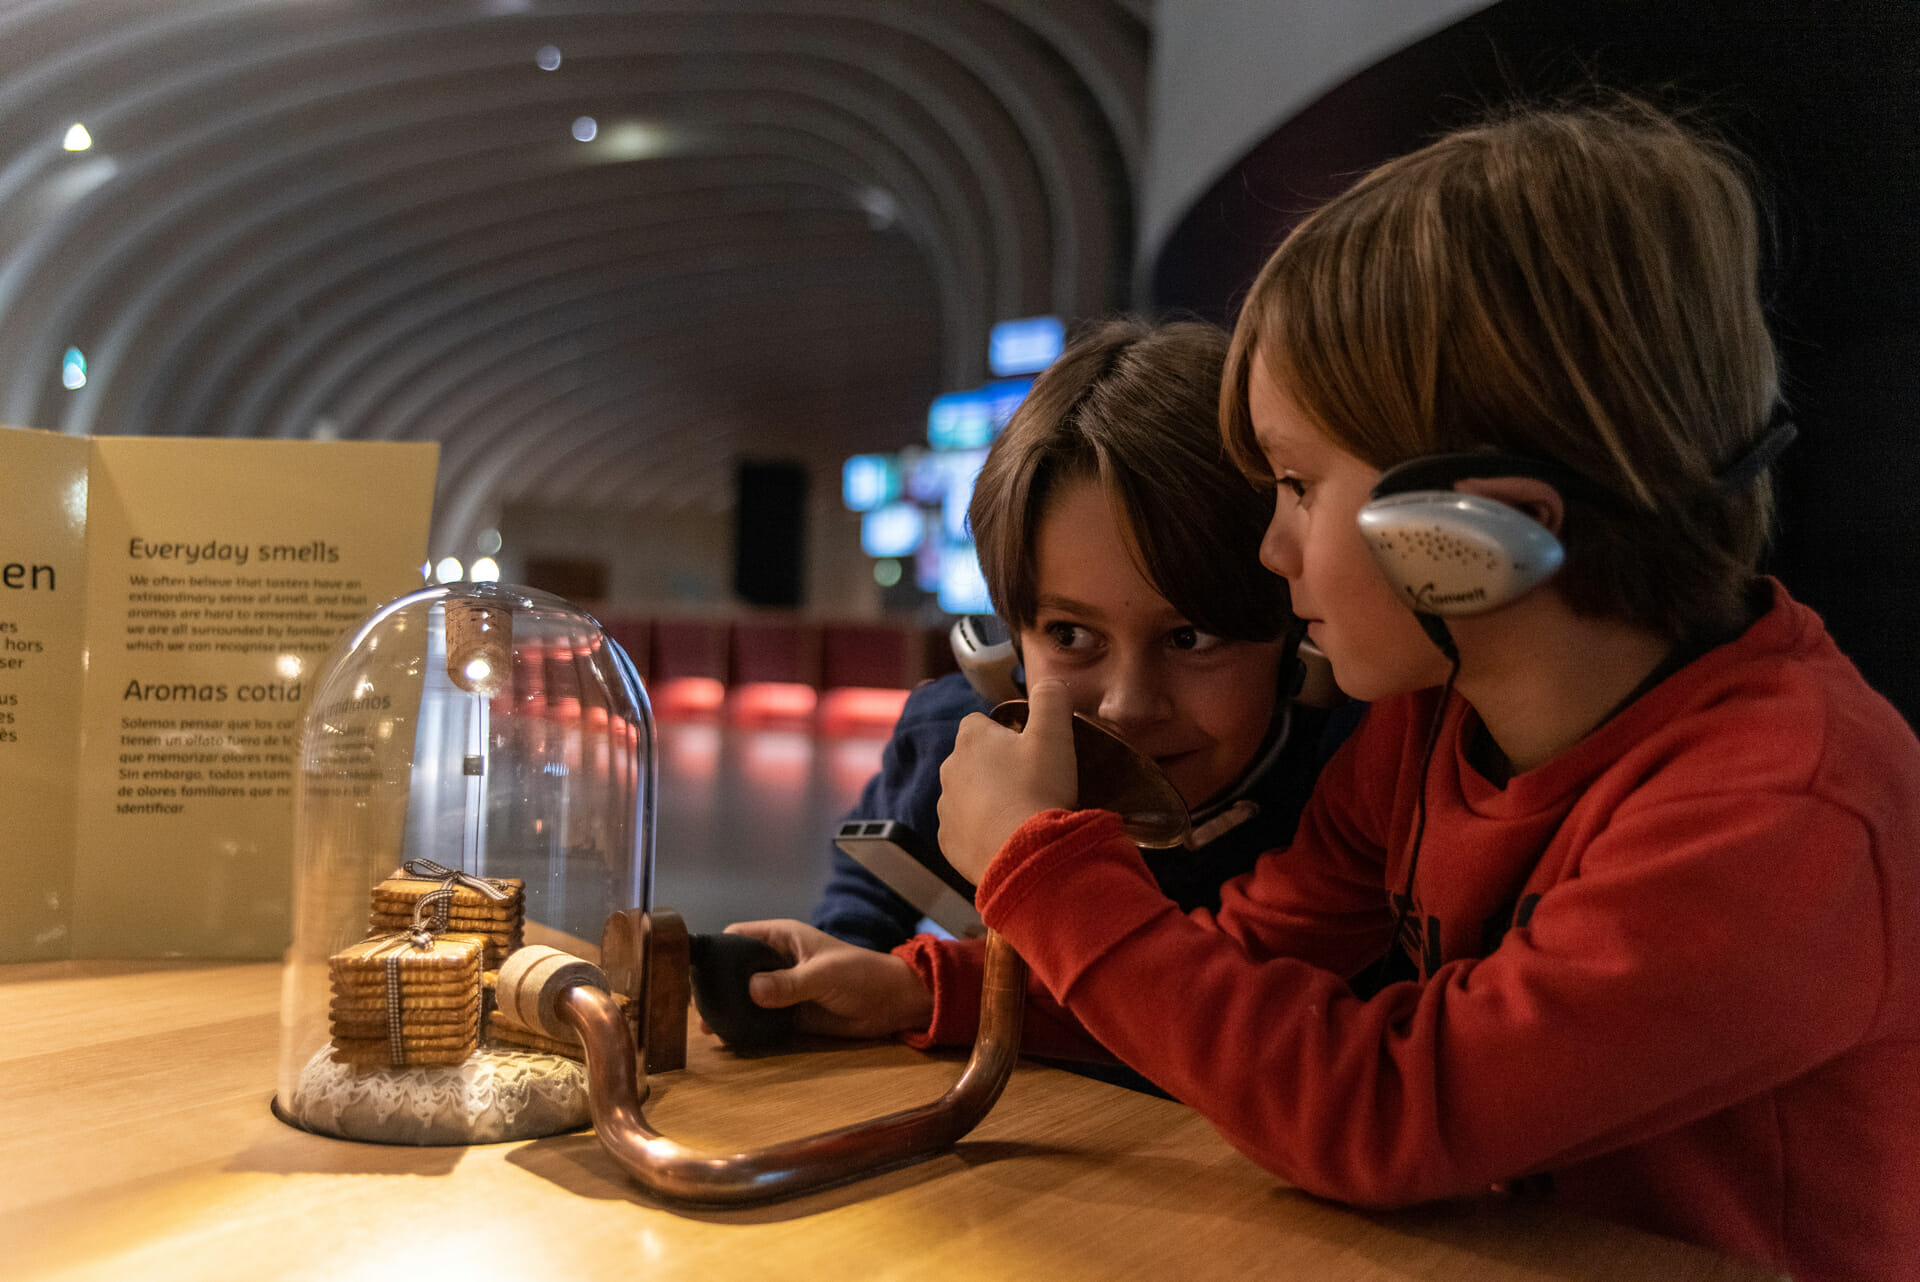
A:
[(883, 209), (637, 140)]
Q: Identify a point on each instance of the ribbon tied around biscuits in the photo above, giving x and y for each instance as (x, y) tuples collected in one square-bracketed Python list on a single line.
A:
[(437, 901)]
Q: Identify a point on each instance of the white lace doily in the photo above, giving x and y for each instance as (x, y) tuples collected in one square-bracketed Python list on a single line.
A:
[(494, 1095)]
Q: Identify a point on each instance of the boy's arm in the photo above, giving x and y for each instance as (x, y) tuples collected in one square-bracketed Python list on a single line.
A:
[(927, 991), (953, 969), (1602, 1022), (979, 801), (1337, 915)]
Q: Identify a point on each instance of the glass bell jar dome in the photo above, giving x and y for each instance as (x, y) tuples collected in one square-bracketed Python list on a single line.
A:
[(476, 774)]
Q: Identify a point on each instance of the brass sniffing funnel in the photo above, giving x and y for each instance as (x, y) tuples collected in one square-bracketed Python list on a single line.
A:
[(1116, 776)]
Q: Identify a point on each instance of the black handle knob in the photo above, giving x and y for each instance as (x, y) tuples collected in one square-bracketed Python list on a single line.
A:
[(722, 964)]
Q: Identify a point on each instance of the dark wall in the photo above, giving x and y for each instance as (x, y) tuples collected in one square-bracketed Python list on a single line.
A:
[(1825, 98), (769, 533)]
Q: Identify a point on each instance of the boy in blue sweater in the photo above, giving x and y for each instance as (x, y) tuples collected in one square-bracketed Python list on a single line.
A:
[(1165, 625)]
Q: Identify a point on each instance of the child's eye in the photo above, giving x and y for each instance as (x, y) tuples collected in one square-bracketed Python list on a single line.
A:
[(1069, 636), (1191, 638), (1292, 485)]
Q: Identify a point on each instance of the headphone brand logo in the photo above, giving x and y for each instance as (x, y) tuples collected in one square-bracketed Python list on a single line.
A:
[(1429, 600)]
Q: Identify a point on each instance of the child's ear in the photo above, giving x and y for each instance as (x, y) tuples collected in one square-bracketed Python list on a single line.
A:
[(1536, 499)]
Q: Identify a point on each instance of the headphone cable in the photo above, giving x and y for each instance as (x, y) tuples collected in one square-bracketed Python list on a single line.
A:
[(1405, 898)]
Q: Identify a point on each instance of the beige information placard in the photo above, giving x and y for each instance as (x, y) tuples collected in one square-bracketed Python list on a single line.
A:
[(42, 655), (204, 582)]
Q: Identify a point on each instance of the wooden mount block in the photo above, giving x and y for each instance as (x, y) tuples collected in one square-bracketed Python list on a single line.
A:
[(669, 991), (645, 956)]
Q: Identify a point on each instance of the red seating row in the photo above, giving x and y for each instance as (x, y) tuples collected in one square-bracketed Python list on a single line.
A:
[(773, 669)]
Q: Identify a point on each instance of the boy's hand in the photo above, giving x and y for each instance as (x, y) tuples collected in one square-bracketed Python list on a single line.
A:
[(840, 989), (996, 779)]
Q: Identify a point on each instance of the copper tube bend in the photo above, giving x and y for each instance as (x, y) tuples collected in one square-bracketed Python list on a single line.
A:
[(673, 1170)]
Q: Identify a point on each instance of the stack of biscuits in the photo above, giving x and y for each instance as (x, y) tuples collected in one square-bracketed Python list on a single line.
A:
[(497, 923), (418, 990), (406, 999)]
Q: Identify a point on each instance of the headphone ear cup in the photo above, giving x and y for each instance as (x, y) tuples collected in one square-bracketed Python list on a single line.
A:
[(1454, 554)]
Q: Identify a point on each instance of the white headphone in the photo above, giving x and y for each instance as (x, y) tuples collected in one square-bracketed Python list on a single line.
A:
[(1450, 554), (1453, 554)]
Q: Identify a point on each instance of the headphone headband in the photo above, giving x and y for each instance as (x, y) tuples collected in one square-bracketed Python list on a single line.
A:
[(1440, 471), (1761, 454)]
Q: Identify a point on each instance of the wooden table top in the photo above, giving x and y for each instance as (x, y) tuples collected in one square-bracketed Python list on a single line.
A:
[(136, 1142)]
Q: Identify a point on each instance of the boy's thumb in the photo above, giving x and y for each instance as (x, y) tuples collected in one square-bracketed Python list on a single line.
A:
[(1050, 711), (773, 989)]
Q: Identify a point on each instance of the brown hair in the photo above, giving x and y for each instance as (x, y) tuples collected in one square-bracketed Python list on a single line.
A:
[(1134, 407), (1578, 285)]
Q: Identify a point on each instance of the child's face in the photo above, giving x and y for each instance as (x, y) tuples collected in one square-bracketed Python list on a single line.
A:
[(1198, 704), (1314, 541)]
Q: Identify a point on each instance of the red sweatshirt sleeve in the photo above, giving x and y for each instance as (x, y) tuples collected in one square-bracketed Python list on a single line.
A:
[(1330, 912), (1602, 1022), (952, 970)]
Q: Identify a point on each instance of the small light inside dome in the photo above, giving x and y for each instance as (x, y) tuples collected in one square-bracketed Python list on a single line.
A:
[(477, 670), (586, 128), (426, 571), (488, 542), (73, 369), (78, 139), (449, 570), (886, 571), (484, 570), (548, 58)]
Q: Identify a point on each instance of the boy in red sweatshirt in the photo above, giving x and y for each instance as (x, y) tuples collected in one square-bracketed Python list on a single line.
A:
[(1640, 845)]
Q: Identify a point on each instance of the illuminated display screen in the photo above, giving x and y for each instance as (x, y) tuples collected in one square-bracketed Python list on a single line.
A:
[(913, 504), (893, 530), (869, 480), (960, 420), (963, 468), (1025, 346), (962, 589)]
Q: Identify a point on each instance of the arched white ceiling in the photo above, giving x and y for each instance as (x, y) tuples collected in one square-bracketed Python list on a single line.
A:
[(370, 219), (1228, 72)]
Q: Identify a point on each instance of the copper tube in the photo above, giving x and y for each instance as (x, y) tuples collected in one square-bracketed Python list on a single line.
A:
[(675, 1171)]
